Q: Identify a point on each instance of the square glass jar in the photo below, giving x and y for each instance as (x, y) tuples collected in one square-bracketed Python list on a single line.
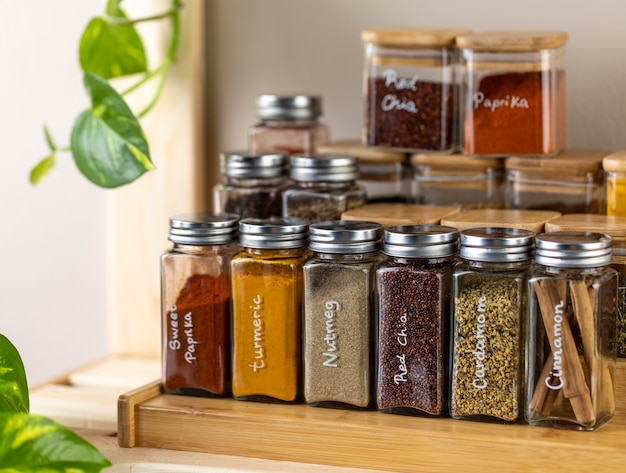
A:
[(513, 93), (455, 179), (410, 87), (572, 182)]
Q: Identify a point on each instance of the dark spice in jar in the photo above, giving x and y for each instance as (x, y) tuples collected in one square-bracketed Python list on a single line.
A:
[(418, 117), (412, 343)]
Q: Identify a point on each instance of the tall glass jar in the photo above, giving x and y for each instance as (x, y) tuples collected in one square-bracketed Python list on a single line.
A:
[(489, 290), (513, 92), (195, 302), (414, 285), (252, 184), (325, 187), (267, 309), (571, 331), (288, 123), (410, 84), (339, 313)]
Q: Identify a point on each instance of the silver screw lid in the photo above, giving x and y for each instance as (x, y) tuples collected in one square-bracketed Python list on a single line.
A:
[(273, 233), (496, 244), (574, 249), (324, 167), (203, 228), (288, 107), (346, 236), (245, 165), (421, 241)]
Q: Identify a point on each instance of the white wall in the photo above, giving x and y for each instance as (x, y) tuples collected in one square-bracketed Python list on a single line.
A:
[(52, 236), (52, 276)]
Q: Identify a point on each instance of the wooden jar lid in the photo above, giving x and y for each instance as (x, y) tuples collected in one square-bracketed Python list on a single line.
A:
[(533, 220), (366, 154), (404, 37), (615, 162), (391, 214), (569, 161), (614, 226), (456, 163), (512, 41)]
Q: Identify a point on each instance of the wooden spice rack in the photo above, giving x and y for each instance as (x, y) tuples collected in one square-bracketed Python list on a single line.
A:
[(149, 418)]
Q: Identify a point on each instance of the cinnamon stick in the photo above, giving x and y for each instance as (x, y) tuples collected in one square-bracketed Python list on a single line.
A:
[(543, 397), (551, 295)]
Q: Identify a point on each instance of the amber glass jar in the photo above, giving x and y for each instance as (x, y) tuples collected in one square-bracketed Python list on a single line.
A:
[(196, 298), (267, 309)]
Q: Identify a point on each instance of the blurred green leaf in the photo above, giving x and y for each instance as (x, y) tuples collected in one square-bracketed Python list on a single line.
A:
[(108, 144), (111, 49), (42, 169), (30, 444), (13, 385)]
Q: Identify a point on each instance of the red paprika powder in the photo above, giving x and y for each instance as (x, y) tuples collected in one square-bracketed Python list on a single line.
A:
[(196, 300), (514, 93)]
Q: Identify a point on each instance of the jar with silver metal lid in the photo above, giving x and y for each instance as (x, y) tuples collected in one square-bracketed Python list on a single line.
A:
[(267, 309), (252, 184), (489, 288), (571, 341), (339, 310), (414, 284), (195, 302), (325, 187), (288, 123)]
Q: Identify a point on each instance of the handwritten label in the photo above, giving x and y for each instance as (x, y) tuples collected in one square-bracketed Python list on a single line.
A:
[(258, 339), (330, 335), (391, 102), (174, 342), (557, 351), (493, 104), (479, 381), (401, 337)]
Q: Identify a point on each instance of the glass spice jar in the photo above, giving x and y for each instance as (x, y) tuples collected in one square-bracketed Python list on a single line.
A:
[(572, 182), (267, 309), (457, 179), (382, 173), (614, 166), (489, 290), (195, 302), (513, 92), (571, 331), (615, 227), (339, 284), (252, 184), (288, 123), (414, 286), (410, 87), (325, 186)]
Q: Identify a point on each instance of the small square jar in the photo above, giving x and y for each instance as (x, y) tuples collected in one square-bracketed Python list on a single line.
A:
[(454, 179), (615, 227), (410, 85), (572, 182), (513, 93), (382, 173)]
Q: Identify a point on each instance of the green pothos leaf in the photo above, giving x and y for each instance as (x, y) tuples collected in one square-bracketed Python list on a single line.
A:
[(110, 48), (13, 384), (108, 144), (30, 444)]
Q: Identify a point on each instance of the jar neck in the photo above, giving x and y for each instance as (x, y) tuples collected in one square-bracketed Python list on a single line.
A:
[(325, 184), (255, 182), (289, 123), (497, 266), (563, 272), (427, 263), (349, 257), (201, 249), (275, 252)]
